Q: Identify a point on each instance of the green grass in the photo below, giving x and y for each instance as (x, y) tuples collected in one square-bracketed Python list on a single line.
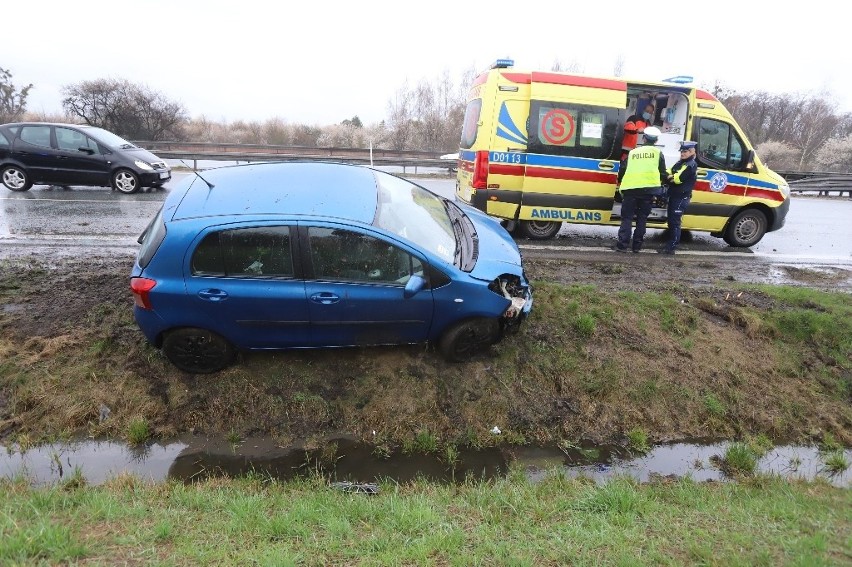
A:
[(585, 325), (138, 431), (714, 406), (739, 459), (836, 462), (638, 440), (557, 521)]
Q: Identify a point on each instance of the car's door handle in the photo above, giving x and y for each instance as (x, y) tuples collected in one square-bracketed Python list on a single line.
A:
[(325, 298), (213, 294), (701, 174)]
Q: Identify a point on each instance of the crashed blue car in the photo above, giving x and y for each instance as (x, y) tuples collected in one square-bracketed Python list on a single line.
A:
[(308, 254)]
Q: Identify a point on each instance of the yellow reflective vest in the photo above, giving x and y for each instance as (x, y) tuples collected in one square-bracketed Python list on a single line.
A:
[(642, 168)]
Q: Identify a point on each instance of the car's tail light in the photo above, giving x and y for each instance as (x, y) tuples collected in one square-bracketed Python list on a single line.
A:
[(141, 288), (480, 170)]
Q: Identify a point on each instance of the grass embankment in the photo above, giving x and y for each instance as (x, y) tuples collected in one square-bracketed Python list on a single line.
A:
[(558, 521), (605, 365)]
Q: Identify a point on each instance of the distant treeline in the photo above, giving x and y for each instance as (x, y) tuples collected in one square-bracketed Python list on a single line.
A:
[(791, 131)]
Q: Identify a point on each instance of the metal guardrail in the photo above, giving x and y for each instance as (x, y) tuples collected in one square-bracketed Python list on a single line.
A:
[(823, 183), (198, 151)]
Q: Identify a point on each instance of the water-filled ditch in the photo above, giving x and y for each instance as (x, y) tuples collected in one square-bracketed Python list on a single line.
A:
[(346, 459)]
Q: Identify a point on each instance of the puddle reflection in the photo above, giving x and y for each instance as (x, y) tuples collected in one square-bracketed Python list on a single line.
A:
[(346, 459)]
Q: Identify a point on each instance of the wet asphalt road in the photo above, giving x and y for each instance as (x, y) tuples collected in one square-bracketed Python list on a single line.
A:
[(59, 221)]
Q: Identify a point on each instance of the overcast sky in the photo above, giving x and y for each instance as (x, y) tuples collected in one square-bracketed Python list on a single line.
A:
[(322, 61)]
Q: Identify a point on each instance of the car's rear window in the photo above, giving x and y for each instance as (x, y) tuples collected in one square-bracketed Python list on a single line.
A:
[(262, 251), (151, 239)]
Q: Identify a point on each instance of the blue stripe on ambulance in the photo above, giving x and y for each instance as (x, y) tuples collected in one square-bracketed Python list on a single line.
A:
[(506, 127), (762, 184), (564, 161)]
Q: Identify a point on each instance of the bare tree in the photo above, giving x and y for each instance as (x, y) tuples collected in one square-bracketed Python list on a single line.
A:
[(813, 127), (618, 66), (573, 66), (128, 109), (401, 118), (344, 135), (13, 100), (836, 154), (778, 155), (305, 135)]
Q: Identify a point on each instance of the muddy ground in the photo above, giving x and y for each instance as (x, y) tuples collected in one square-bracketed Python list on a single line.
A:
[(676, 348)]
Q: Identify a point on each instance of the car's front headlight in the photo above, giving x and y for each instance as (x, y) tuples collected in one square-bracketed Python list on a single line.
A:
[(785, 190), (142, 165)]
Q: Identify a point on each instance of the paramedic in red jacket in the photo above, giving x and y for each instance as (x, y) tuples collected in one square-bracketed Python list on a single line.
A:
[(634, 126)]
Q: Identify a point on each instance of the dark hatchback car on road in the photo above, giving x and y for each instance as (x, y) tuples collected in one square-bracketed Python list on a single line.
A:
[(303, 255), (69, 154)]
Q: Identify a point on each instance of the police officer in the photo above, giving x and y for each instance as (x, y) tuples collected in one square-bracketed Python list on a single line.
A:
[(681, 181), (640, 177)]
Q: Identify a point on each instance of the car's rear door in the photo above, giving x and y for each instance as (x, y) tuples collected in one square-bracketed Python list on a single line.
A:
[(244, 280), (33, 149), (355, 284)]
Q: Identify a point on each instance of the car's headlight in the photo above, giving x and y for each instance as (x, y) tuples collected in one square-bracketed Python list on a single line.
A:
[(785, 190), (142, 165)]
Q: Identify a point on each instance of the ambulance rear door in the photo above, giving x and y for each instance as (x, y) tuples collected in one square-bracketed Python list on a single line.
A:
[(507, 149), (572, 153)]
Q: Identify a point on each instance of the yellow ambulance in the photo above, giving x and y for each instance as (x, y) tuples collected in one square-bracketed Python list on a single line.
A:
[(542, 148)]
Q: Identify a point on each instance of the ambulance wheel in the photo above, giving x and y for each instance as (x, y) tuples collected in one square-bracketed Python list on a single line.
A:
[(539, 230), (746, 228)]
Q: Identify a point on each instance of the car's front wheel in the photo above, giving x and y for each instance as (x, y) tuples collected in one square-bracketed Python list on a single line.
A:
[(198, 351), (15, 178), (465, 339), (125, 181)]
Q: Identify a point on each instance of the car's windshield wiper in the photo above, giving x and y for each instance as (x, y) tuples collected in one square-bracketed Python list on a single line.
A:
[(458, 231)]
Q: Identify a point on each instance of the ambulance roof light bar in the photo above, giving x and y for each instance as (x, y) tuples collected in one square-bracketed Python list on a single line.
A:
[(503, 63), (679, 80)]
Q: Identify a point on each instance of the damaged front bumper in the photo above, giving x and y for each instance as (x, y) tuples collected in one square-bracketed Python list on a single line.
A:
[(520, 300)]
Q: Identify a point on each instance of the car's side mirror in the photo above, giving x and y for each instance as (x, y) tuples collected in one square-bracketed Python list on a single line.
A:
[(85, 150), (415, 285), (749, 164)]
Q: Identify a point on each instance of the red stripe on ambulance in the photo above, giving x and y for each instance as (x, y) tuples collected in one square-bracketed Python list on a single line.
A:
[(575, 81), (765, 194), (570, 174), (505, 169)]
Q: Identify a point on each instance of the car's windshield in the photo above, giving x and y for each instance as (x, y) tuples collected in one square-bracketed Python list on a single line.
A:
[(109, 139), (415, 214)]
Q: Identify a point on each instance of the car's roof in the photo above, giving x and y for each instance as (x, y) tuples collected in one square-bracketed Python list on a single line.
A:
[(293, 188), (47, 124)]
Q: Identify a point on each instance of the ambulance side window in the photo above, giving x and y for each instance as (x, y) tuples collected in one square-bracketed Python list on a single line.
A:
[(719, 145), (558, 128)]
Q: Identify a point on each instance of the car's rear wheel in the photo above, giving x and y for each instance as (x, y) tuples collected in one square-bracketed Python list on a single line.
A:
[(15, 178), (467, 338), (539, 230), (125, 181), (746, 228), (198, 351)]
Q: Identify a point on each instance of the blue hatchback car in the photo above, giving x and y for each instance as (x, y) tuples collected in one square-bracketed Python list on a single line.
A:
[(303, 255)]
